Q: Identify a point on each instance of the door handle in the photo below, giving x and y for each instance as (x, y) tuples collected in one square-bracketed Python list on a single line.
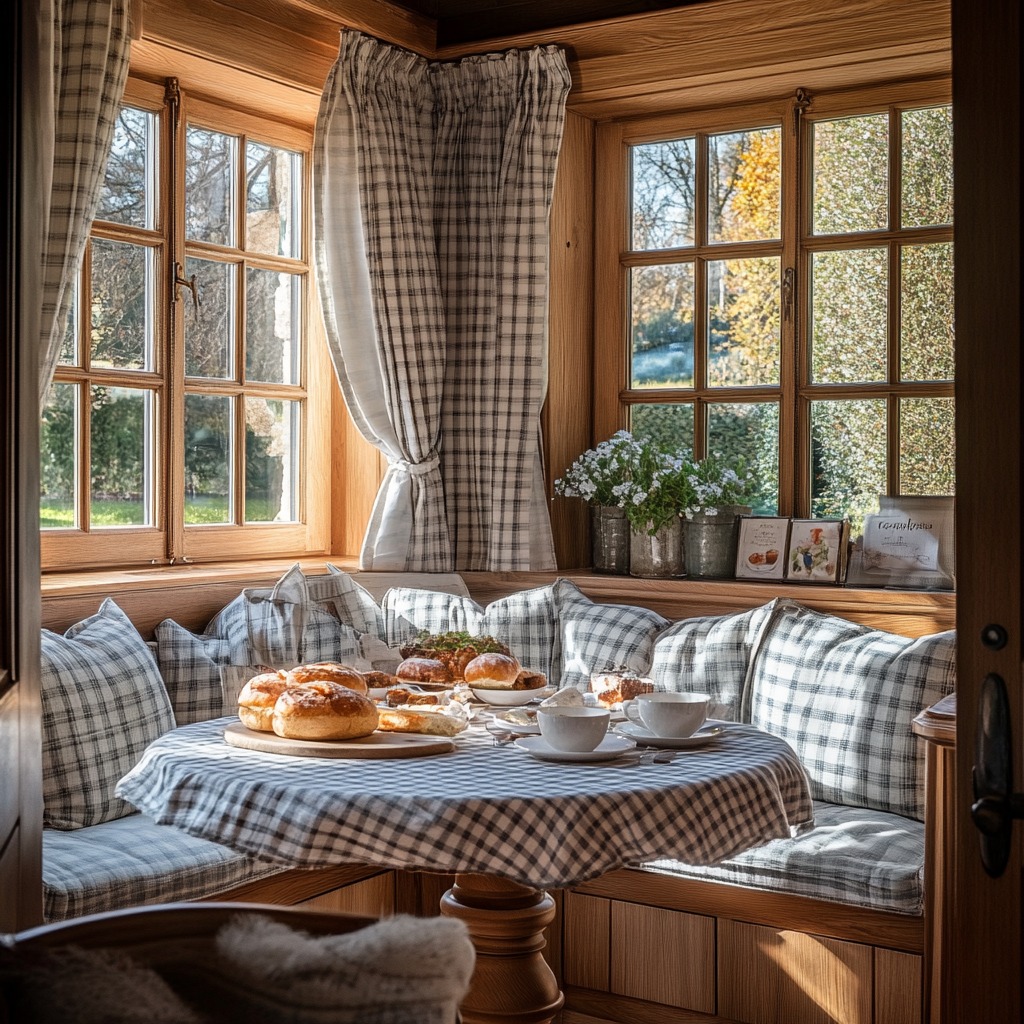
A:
[(995, 806)]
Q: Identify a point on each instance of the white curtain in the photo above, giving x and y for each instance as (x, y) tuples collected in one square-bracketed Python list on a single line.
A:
[(432, 188), (84, 48)]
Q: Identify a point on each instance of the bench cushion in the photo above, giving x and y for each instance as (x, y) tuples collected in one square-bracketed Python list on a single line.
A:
[(597, 637), (710, 654), (853, 855), (844, 696), (525, 620), (103, 702), (133, 861)]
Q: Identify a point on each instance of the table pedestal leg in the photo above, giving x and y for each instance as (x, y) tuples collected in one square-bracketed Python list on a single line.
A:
[(512, 981)]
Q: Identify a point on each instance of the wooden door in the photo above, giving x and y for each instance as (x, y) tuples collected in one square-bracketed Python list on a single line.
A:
[(986, 963), (20, 751)]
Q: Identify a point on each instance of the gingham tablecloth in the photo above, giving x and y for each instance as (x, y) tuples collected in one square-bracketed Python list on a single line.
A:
[(481, 808)]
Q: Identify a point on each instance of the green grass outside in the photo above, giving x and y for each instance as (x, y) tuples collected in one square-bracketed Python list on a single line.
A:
[(56, 515)]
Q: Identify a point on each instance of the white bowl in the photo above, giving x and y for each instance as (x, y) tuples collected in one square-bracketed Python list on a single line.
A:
[(504, 698)]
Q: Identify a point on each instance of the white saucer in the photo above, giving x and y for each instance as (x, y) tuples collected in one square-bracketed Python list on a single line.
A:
[(608, 749), (703, 736)]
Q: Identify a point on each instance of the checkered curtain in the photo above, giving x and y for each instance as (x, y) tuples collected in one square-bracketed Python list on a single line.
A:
[(432, 187), (87, 42)]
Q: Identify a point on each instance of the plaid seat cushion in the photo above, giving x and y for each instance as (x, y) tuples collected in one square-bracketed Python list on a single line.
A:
[(710, 654), (300, 619), (103, 702), (853, 855), (844, 696), (526, 621), (596, 637), (133, 861)]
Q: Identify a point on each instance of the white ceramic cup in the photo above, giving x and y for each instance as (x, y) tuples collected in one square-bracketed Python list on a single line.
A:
[(669, 714), (572, 728)]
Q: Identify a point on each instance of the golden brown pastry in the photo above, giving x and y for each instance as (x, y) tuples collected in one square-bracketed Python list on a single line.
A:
[(625, 689), (424, 670), (327, 671), (379, 680), (257, 699), (455, 649), (399, 695), (493, 671), (430, 721), (323, 710)]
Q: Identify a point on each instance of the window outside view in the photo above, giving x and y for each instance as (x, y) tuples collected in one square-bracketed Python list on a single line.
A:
[(872, 292), (104, 441)]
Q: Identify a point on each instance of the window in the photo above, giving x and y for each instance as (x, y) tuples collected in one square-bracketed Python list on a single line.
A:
[(182, 420), (776, 285)]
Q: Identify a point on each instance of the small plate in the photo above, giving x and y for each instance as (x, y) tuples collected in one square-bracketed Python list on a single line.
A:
[(703, 736), (509, 698), (608, 749), (513, 721)]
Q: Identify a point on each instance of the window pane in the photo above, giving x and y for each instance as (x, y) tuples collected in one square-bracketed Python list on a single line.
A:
[(669, 425), (848, 470), (58, 449), (271, 326), (744, 322), (744, 186), (749, 432), (927, 166), (926, 312), (209, 186), (927, 446), (120, 457), (130, 181), (662, 331), (121, 286), (272, 184), (850, 169), (849, 303), (664, 181), (208, 459), (271, 460), (210, 330)]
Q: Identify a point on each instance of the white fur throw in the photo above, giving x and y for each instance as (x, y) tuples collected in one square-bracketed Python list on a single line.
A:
[(400, 970)]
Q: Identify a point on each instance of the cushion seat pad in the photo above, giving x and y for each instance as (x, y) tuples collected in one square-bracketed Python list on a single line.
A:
[(853, 855), (132, 861)]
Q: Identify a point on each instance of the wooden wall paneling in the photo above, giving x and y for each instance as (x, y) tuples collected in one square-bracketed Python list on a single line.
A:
[(567, 416), (897, 987), (782, 977), (374, 897), (586, 924), (663, 956)]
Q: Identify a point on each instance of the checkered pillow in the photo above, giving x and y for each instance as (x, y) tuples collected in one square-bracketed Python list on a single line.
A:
[(710, 654), (844, 696), (599, 637), (298, 620), (103, 704), (526, 621)]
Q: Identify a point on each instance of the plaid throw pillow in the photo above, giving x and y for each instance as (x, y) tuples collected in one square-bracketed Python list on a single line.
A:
[(300, 619), (843, 696), (526, 621), (103, 703), (598, 637), (710, 654)]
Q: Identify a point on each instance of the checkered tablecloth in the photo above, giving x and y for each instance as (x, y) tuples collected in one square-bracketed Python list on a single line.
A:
[(481, 808)]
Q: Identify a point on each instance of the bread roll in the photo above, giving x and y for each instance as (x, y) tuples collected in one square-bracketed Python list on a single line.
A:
[(429, 721), (322, 710), (424, 670), (454, 649), (399, 695), (328, 671), (257, 699), (493, 672), (379, 680)]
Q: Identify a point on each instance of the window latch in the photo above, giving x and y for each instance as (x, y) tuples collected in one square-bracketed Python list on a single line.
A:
[(180, 281), (788, 282)]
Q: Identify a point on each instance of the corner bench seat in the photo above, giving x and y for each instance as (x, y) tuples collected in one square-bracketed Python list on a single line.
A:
[(132, 861), (853, 855)]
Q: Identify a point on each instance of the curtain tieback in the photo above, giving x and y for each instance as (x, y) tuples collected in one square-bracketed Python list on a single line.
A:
[(415, 468)]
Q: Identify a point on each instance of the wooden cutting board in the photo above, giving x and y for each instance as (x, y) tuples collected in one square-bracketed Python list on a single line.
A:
[(377, 744)]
